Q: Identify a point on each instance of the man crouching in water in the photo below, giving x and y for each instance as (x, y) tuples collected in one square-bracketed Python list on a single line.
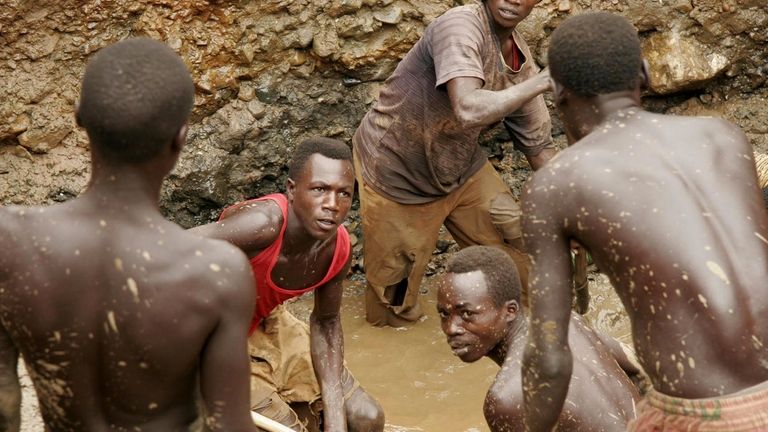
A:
[(124, 319), (297, 244), (479, 305)]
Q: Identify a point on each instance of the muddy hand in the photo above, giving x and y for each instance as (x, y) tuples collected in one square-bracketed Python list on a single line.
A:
[(545, 80)]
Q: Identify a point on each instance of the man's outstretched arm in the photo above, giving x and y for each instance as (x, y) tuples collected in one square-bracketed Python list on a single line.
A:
[(327, 349), (547, 361), (249, 226), (10, 389), (475, 106)]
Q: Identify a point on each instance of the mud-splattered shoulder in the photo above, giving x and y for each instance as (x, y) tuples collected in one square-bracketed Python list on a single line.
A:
[(10, 214), (214, 263), (727, 131), (14, 221), (21, 216), (503, 405), (555, 180), (12, 231), (717, 129), (724, 139)]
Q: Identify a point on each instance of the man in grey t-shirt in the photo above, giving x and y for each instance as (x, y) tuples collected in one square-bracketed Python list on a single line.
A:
[(417, 158)]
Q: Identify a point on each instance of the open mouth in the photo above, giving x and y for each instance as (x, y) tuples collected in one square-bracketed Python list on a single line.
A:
[(458, 352), (326, 223), (459, 349), (508, 13)]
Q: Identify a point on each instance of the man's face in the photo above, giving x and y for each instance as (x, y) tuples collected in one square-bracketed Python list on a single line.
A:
[(322, 194), (509, 13), (473, 324)]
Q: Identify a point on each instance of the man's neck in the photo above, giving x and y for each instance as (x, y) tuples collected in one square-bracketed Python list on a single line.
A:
[(612, 103), (125, 186), (598, 109), (297, 240), (514, 340)]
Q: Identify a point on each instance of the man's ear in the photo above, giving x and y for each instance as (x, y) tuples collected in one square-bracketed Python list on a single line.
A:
[(511, 309), (290, 187), (645, 76), (558, 91), (180, 139)]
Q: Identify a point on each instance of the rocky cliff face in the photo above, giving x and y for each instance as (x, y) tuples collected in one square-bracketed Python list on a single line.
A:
[(272, 72)]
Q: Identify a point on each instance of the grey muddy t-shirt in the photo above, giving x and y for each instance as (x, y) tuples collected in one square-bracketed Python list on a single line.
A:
[(411, 146)]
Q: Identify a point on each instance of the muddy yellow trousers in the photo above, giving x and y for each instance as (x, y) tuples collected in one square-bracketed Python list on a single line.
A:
[(399, 239)]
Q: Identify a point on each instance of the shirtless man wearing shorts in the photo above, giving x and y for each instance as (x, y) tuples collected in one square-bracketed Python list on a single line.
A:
[(686, 250)]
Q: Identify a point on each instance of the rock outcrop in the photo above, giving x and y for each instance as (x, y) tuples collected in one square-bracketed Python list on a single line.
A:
[(269, 73)]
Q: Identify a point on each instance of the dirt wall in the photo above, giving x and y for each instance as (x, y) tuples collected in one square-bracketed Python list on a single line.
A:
[(269, 73)]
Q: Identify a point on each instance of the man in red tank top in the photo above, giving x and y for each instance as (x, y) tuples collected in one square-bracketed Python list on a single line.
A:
[(296, 244)]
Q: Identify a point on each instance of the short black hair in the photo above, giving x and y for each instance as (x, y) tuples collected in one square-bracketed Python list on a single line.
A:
[(595, 53), (500, 271), (136, 95), (328, 147)]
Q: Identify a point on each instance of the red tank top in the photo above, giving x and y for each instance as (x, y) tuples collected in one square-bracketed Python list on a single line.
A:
[(269, 294)]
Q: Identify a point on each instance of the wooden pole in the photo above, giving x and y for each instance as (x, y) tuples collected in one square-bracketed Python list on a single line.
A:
[(268, 424), (761, 162)]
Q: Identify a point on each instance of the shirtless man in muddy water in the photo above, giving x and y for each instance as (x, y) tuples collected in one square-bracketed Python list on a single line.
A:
[(686, 251), (478, 301), (125, 321), (296, 243)]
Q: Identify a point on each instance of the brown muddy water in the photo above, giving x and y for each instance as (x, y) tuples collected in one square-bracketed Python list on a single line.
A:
[(411, 371)]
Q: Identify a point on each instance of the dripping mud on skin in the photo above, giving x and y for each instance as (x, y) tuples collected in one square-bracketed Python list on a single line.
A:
[(420, 384)]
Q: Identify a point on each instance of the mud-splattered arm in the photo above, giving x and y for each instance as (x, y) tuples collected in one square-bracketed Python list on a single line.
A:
[(547, 361), (224, 362), (475, 106), (327, 349), (249, 226), (10, 390)]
